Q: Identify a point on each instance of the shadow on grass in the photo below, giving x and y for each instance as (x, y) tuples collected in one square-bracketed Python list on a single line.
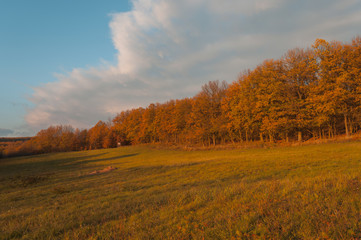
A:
[(142, 171), (135, 172), (46, 163), (106, 159)]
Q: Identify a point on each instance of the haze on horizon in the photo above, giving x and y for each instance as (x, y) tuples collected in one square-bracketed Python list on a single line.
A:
[(168, 49)]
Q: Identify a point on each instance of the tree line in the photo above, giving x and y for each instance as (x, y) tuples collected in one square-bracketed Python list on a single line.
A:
[(311, 93)]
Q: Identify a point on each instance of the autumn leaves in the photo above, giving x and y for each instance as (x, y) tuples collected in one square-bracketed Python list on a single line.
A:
[(308, 93)]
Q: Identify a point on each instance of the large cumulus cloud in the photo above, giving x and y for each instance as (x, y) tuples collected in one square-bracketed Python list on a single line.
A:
[(169, 48)]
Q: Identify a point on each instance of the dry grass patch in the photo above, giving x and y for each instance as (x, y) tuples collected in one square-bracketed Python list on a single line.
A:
[(303, 192)]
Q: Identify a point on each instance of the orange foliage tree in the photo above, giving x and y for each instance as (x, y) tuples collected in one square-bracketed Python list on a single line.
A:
[(308, 93)]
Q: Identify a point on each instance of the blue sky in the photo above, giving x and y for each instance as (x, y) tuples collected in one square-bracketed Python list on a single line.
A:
[(39, 38), (77, 62)]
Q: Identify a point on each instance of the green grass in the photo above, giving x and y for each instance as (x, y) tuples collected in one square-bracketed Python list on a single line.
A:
[(304, 192)]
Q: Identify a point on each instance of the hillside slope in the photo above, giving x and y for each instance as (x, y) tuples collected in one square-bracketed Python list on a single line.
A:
[(291, 192)]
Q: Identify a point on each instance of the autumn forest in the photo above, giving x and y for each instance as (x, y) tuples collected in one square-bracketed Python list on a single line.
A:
[(312, 93)]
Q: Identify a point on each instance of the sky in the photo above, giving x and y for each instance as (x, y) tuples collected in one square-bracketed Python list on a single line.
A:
[(78, 62)]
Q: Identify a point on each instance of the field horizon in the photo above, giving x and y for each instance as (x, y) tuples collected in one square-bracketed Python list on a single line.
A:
[(139, 192)]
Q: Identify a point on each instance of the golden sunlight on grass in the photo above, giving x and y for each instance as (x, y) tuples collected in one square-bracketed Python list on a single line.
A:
[(305, 192)]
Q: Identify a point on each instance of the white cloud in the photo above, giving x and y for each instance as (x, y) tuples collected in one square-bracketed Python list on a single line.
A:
[(169, 48)]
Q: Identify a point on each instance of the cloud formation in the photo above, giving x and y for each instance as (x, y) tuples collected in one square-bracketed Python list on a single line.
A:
[(167, 49), (5, 132)]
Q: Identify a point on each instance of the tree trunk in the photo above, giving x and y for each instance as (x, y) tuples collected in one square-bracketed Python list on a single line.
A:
[(261, 137), (346, 127), (240, 135), (299, 134), (214, 139)]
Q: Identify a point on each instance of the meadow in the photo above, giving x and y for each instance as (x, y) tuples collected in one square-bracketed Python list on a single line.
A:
[(300, 192)]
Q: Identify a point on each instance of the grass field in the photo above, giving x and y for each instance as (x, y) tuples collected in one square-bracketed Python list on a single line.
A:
[(304, 192)]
